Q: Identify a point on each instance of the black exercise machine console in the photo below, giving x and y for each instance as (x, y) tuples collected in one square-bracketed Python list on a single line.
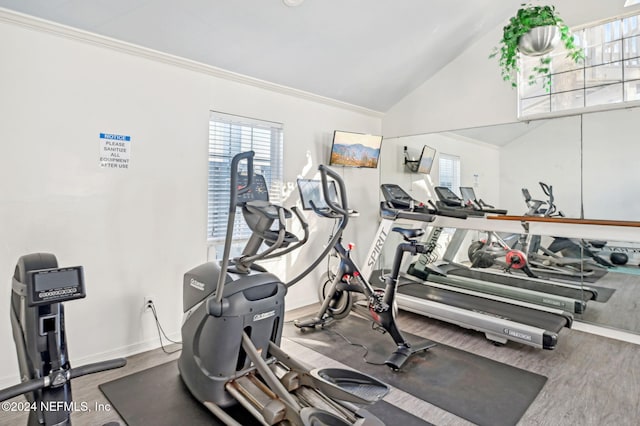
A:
[(469, 199), (39, 288)]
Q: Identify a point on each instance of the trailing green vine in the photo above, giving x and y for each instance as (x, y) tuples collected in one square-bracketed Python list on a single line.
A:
[(528, 17)]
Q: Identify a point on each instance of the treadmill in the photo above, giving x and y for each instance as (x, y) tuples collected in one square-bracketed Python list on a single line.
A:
[(448, 200), (501, 319), (538, 292), (469, 199), (397, 198), (580, 293)]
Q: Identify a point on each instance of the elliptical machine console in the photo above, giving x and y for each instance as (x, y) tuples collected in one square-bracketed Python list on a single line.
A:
[(234, 314), (39, 288)]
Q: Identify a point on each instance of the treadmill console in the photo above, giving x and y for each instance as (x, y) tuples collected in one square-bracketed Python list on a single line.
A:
[(48, 286), (468, 195), (447, 196), (397, 196), (470, 200)]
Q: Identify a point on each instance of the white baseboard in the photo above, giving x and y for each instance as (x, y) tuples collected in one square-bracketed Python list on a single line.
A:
[(611, 333), (121, 352)]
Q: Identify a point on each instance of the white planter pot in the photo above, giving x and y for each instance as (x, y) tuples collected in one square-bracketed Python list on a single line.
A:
[(539, 40)]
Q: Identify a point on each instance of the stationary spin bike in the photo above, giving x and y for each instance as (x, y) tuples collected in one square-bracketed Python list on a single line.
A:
[(234, 314), (349, 281), (39, 289)]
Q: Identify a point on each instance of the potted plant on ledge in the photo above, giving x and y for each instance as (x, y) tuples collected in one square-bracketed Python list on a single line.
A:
[(534, 31)]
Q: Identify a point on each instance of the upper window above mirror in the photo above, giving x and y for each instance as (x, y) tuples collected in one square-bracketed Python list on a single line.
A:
[(608, 77)]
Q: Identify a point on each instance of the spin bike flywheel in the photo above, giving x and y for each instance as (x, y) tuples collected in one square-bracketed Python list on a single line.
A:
[(478, 256), (341, 302)]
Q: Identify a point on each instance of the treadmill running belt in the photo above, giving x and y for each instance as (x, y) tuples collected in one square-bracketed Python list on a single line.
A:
[(534, 317), (519, 282)]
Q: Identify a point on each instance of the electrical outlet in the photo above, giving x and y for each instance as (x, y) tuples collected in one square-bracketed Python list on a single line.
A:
[(148, 303)]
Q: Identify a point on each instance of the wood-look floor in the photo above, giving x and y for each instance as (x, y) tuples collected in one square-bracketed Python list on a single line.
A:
[(621, 310), (592, 380)]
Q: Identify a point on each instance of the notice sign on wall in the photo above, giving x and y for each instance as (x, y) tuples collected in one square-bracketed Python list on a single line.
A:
[(114, 151)]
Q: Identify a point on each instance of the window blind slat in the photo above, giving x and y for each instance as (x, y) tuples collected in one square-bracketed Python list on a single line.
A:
[(228, 136)]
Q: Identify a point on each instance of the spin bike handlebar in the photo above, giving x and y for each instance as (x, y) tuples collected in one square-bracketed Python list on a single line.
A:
[(343, 209), (324, 212), (334, 212), (59, 377)]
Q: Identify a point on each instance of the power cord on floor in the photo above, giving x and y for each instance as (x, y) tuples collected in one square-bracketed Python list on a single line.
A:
[(366, 350), (161, 332)]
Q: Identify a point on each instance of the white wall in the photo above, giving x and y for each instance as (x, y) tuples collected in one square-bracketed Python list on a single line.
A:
[(475, 159), (468, 92), (135, 231), (548, 153), (611, 152)]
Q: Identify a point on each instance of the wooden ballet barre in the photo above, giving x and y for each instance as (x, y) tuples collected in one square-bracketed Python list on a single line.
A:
[(600, 222)]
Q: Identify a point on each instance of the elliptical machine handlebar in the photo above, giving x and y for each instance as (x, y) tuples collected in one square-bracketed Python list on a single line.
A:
[(59, 377), (233, 195), (235, 191), (282, 231)]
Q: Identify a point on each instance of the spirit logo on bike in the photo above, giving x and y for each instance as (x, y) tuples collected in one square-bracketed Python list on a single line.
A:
[(377, 248)]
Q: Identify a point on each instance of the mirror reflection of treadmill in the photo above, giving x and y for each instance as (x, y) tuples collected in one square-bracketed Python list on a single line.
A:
[(446, 299), (568, 296), (448, 200), (397, 197), (468, 195), (469, 199)]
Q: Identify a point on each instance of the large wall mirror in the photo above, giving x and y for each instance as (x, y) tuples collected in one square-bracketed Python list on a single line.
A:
[(589, 161)]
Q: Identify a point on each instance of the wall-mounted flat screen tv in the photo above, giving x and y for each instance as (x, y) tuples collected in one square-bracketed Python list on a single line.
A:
[(426, 160), (355, 149)]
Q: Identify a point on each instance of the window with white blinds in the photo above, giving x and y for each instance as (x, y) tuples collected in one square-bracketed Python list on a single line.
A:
[(449, 176), (228, 136)]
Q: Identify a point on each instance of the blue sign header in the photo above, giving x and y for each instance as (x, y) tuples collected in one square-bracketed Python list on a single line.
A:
[(115, 137)]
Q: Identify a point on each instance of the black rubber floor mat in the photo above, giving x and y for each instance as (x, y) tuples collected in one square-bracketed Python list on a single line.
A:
[(475, 388), (158, 397)]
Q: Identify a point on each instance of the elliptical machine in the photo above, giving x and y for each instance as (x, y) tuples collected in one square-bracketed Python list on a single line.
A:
[(348, 279), (39, 289), (234, 314), (568, 248)]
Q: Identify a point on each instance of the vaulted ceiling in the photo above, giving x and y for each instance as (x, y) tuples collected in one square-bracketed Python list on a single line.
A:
[(369, 53)]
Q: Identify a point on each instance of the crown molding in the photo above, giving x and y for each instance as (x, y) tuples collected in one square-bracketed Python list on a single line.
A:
[(42, 25)]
